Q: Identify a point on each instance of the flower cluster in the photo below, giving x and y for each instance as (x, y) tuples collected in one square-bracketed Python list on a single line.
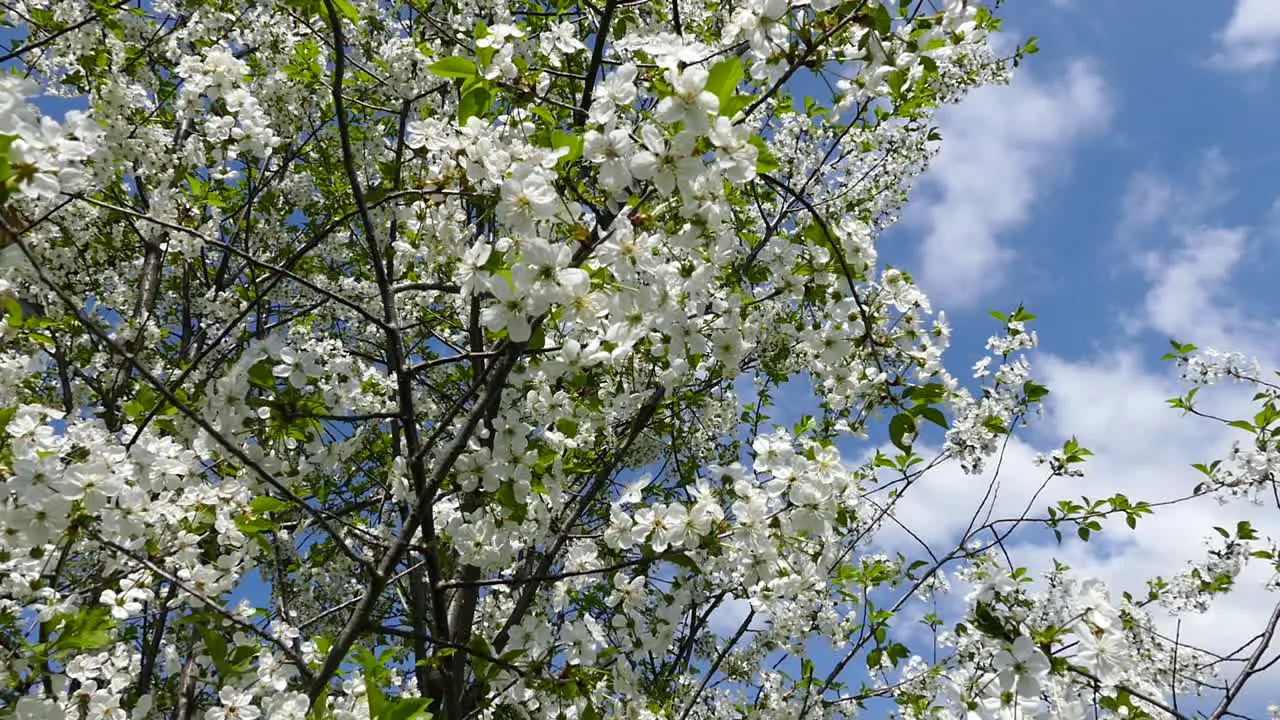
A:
[(368, 358)]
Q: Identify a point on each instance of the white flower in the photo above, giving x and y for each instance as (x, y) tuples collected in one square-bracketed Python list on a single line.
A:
[(507, 312), (628, 593), (527, 197), (469, 276), (735, 154), (610, 151), (996, 582), (1101, 651), (1021, 668), (236, 704), (122, 605), (617, 89), (558, 40), (287, 706), (690, 103), (675, 530), (662, 162), (30, 708)]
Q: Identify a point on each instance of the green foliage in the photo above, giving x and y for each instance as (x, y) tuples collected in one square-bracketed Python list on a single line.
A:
[(89, 628), (475, 102), (454, 67), (723, 79)]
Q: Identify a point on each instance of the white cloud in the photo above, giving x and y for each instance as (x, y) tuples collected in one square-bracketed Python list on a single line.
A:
[(1114, 402), (1002, 147), (1147, 199), (1251, 38), (1153, 202), (1144, 449), (1115, 405), (729, 616), (1185, 298), (1189, 293)]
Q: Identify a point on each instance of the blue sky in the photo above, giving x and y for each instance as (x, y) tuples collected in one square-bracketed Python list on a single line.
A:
[(1036, 194), (1126, 188)]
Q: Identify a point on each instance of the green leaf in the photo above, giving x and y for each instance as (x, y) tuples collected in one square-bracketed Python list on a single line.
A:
[(766, 162), (481, 652), (239, 659), (406, 709), (453, 67), (734, 105), (1034, 391), (1179, 350), (469, 83), (475, 103), (723, 79), (267, 504), (684, 561), (881, 22), (895, 80), (254, 526), (995, 425), (567, 427), (376, 698), (347, 10), (5, 142), (307, 8), (217, 647), (89, 629), (933, 415), (506, 497), (1021, 315), (562, 139), (13, 312), (544, 114), (260, 376), (899, 427)]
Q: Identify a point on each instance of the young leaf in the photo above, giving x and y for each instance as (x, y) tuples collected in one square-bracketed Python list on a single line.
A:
[(475, 102), (403, 708), (562, 139), (268, 504), (347, 10), (766, 162), (899, 428), (723, 79), (453, 67)]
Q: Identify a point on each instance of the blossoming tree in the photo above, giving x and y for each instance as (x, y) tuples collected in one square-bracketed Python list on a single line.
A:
[(406, 359)]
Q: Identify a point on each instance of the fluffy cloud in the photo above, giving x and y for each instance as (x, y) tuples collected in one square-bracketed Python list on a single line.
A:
[(1251, 38), (1003, 146), (1185, 298), (1114, 402), (1144, 449), (1189, 286), (1152, 203)]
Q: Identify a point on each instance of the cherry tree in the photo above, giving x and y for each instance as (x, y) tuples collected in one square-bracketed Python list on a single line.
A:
[(374, 359)]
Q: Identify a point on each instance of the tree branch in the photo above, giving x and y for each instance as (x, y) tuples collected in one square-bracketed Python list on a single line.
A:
[(1264, 641), (597, 57)]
